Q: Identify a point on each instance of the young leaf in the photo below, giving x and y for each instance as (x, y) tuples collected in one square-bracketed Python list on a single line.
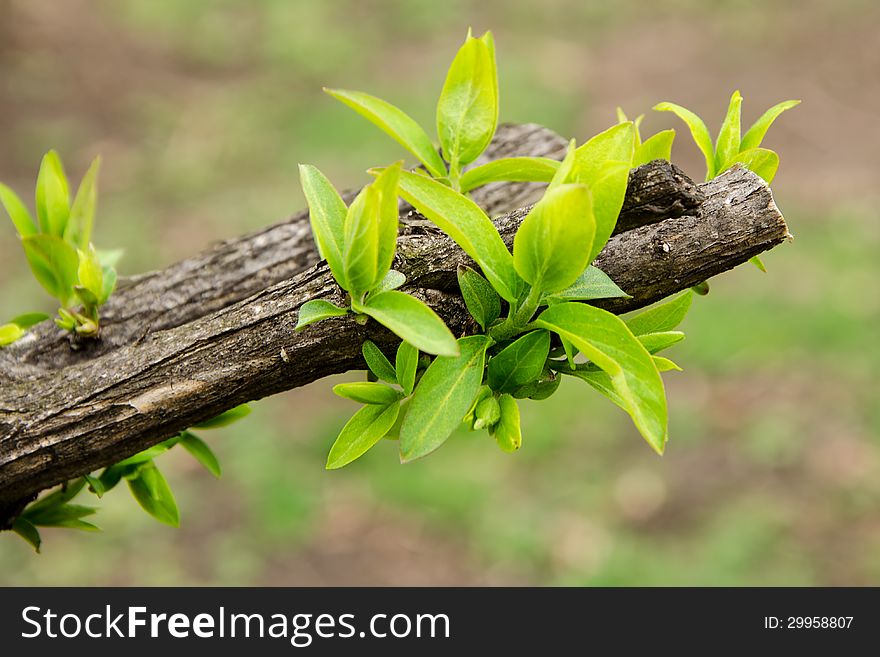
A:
[(53, 195), (757, 262), (727, 144), (507, 432), (58, 516), (96, 486), (657, 147), (699, 132), (361, 432), (762, 161), (616, 144), (393, 280), (606, 341), (509, 169), (148, 454), (110, 257), (565, 172), (89, 273), (387, 220), (482, 301), (655, 342), (327, 213), (661, 317), (466, 223), (486, 413), (444, 394), (9, 333), (413, 321), (200, 451), (665, 365), (378, 363), (406, 365), (28, 532), (225, 418), (316, 310), (27, 320), (57, 498), (54, 264), (17, 211), (593, 283), (519, 363), (552, 244), (755, 134), (467, 112), (367, 392), (82, 213), (396, 123), (109, 278), (608, 194), (154, 495)]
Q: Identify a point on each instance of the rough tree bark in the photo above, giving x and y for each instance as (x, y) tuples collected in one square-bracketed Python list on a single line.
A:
[(182, 345)]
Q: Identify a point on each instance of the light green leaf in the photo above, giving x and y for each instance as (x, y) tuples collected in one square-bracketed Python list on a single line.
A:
[(316, 310), (755, 135), (665, 365), (387, 221), (110, 257), (565, 172), (95, 485), (327, 214), (396, 123), (467, 111), (757, 262), (200, 451), (593, 283), (657, 147), (553, 242), (58, 516), (442, 398), (361, 432), (762, 161), (17, 211), (28, 532), (52, 195), (699, 132), (482, 301), (89, 272), (411, 320), (508, 433), (27, 320), (225, 418), (82, 213), (486, 413), (378, 362), (519, 363), (608, 190), (406, 365), (149, 454), (367, 392), (54, 264), (109, 277), (466, 223), (9, 333), (606, 341), (56, 498), (616, 144), (509, 169), (154, 495), (661, 317), (392, 280), (727, 143), (655, 342)]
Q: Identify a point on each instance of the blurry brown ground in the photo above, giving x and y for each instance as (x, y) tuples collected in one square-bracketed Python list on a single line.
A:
[(201, 111)]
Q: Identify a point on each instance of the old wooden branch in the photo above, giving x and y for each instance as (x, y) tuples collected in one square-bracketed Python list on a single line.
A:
[(207, 349)]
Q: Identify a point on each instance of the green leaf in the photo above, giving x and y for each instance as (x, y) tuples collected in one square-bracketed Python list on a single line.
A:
[(378, 363), (393, 280), (701, 288), (82, 213), (109, 277), (316, 310), (411, 320), (608, 194), (507, 432), (699, 132), (200, 451), (57, 498), (661, 317), (606, 341), (9, 333), (327, 214), (727, 143), (665, 365), (755, 135), (593, 283), (486, 413), (655, 342), (757, 262), (52, 195), (110, 257), (154, 495), (89, 273), (396, 123), (60, 515), (565, 172), (406, 365), (553, 242), (28, 532), (519, 363), (54, 264), (482, 301), (17, 211), (95, 485), (466, 223), (657, 147), (367, 392), (148, 454), (616, 144), (225, 418), (509, 169), (27, 320), (467, 111), (444, 394), (361, 432), (762, 161)]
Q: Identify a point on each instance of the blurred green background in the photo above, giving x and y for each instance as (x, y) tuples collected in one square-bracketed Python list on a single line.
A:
[(203, 108)]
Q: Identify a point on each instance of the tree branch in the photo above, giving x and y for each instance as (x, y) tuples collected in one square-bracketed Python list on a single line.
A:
[(207, 349)]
